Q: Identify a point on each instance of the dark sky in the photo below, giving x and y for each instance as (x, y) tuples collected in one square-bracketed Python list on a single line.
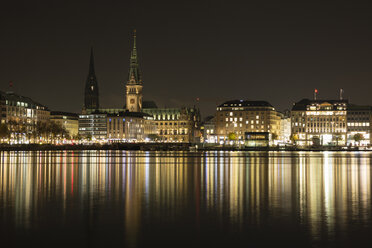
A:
[(216, 50)]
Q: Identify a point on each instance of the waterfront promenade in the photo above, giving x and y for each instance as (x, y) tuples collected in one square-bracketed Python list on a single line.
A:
[(168, 147)]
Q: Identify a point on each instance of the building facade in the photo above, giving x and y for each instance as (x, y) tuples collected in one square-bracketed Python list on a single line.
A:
[(235, 118), (93, 126), (319, 122), (69, 121), (359, 125), (208, 129), (285, 128), (176, 124), (130, 126), (22, 115)]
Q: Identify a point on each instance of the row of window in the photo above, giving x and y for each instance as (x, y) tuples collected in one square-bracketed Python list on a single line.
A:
[(171, 124), (173, 132), (246, 126), (320, 130), (246, 122), (358, 124), (247, 114), (318, 119)]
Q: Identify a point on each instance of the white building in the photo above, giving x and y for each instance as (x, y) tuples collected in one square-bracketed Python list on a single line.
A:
[(285, 130), (358, 124), (319, 122)]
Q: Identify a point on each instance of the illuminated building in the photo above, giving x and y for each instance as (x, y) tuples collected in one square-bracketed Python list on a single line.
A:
[(93, 126), (69, 121), (167, 124), (257, 139), (176, 124), (105, 110), (208, 129), (172, 124), (21, 114), (359, 122), (134, 83), (238, 117), (91, 97), (129, 126), (319, 122), (285, 128)]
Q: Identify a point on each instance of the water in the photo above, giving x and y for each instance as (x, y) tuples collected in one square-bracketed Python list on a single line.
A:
[(182, 199)]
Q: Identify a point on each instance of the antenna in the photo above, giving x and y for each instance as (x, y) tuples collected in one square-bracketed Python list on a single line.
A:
[(315, 93), (341, 93)]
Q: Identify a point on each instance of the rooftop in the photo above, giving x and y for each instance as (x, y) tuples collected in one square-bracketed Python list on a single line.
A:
[(11, 96), (53, 113), (245, 103), (302, 105)]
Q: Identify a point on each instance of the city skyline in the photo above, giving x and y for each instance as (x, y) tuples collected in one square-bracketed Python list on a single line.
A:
[(199, 123), (215, 52)]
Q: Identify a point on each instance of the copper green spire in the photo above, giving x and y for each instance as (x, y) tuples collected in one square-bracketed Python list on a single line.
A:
[(134, 75)]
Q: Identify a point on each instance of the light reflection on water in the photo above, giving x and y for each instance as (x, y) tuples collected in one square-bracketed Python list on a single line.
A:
[(127, 194)]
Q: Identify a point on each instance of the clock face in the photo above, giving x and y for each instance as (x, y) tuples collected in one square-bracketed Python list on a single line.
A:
[(131, 101)]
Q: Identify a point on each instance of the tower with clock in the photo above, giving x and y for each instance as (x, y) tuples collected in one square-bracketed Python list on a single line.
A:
[(134, 83)]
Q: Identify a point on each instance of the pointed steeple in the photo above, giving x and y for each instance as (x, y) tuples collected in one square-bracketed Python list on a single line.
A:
[(133, 88), (134, 50), (134, 75), (91, 100)]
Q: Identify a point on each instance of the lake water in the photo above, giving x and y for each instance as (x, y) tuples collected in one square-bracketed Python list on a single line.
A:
[(183, 199)]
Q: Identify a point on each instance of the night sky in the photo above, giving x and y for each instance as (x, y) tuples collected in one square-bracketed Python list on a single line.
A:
[(216, 50)]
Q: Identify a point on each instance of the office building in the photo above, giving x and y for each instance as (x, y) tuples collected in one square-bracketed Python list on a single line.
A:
[(319, 122), (237, 117), (69, 121)]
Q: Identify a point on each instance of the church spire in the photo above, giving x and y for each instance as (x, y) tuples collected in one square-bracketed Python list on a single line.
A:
[(134, 75), (134, 39), (91, 100), (134, 84), (133, 54)]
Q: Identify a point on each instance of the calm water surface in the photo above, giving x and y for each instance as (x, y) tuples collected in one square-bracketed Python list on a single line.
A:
[(182, 199)]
